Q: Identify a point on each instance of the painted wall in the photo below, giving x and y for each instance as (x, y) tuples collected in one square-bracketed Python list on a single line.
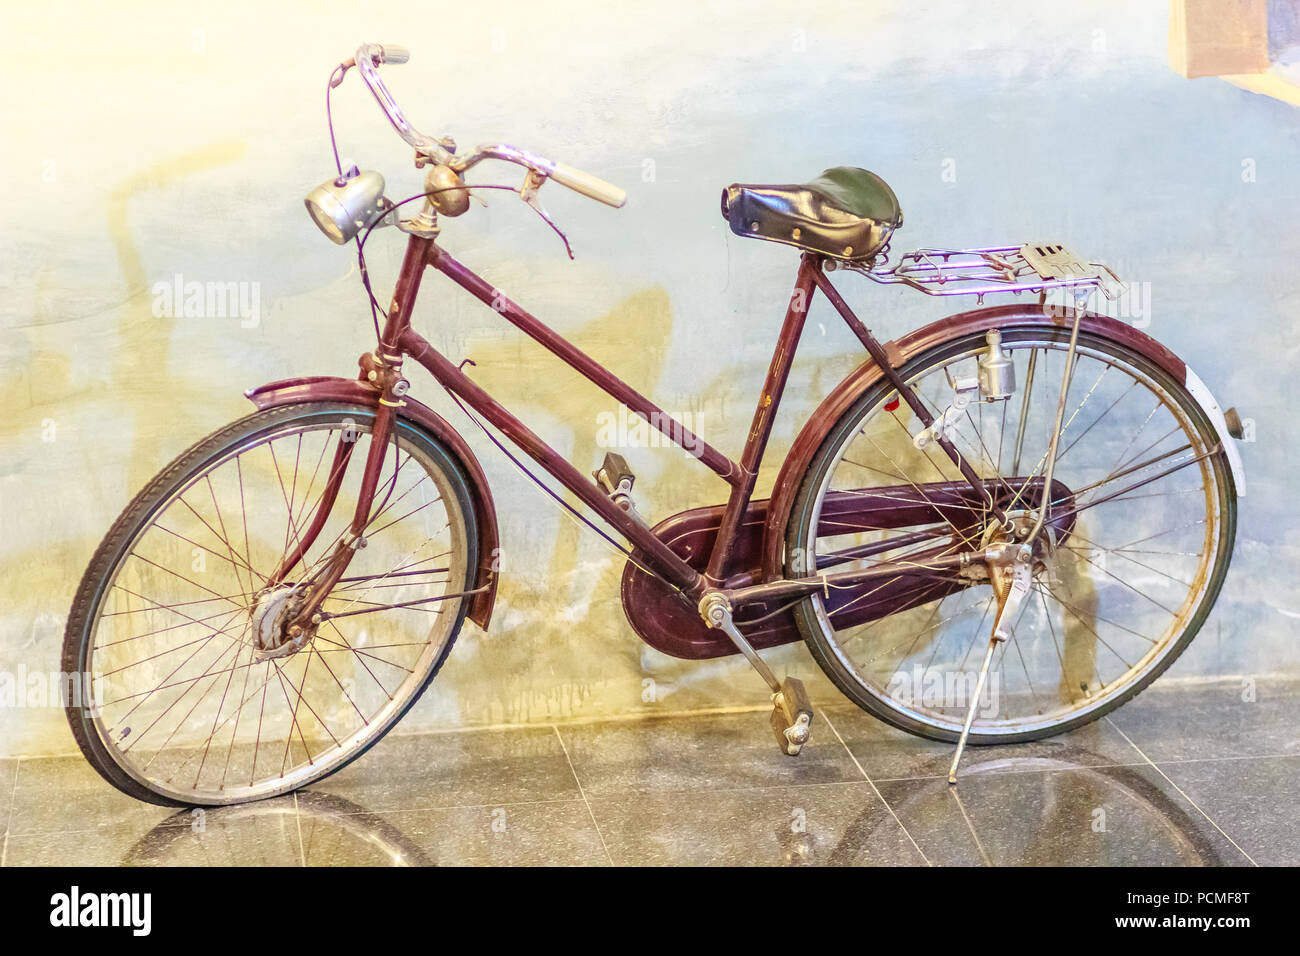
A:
[(147, 140)]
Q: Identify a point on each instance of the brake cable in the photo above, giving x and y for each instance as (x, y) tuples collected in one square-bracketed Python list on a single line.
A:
[(574, 512), (527, 192)]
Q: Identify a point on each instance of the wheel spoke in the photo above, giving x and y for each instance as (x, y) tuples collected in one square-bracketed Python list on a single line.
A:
[(177, 646), (1080, 641)]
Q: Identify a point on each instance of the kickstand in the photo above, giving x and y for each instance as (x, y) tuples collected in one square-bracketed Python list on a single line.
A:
[(994, 641), (1014, 596)]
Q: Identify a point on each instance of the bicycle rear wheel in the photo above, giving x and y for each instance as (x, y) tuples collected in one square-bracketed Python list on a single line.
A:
[(1113, 604), (177, 703)]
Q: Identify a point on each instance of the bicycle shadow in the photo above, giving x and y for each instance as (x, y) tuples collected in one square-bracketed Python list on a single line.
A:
[(1022, 811), (326, 829), (1019, 811)]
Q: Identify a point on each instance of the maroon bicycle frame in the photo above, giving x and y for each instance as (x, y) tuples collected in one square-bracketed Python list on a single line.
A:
[(398, 340)]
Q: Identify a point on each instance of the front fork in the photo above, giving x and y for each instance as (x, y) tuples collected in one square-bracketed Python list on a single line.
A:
[(388, 376), (382, 369)]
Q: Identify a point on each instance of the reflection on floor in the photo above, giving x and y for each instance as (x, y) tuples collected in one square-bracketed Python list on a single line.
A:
[(1181, 775)]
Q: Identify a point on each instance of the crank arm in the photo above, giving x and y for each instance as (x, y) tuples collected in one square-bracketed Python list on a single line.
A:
[(716, 611), (792, 714)]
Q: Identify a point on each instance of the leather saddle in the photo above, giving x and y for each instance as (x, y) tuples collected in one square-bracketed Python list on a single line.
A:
[(845, 213)]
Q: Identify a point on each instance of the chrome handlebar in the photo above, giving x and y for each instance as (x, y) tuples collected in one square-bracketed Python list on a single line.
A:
[(370, 56), (367, 60)]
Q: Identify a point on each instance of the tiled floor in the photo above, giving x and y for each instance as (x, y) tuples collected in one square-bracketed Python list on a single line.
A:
[(1181, 775)]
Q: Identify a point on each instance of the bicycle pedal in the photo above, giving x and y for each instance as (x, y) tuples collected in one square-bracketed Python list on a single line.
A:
[(615, 478), (792, 716)]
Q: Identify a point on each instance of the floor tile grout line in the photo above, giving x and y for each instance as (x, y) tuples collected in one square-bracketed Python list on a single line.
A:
[(1073, 768), (634, 791), (1165, 687), (1109, 720), (907, 833), (970, 825), (646, 716), (539, 726), (1113, 765), (555, 727), (162, 824), (9, 816), (583, 793), (493, 804), (432, 808), (856, 780), (297, 819), (1229, 757), (442, 808), (1181, 792)]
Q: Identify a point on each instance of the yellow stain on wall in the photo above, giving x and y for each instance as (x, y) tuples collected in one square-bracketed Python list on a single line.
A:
[(144, 345)]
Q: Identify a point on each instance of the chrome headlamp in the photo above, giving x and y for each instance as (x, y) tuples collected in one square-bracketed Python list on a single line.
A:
[(343, 206)]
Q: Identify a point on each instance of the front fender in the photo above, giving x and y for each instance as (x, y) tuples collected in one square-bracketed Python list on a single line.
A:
[(914, 343), (321, 388)]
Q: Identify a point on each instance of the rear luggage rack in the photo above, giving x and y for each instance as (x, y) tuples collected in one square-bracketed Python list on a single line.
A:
[(1033, 267)]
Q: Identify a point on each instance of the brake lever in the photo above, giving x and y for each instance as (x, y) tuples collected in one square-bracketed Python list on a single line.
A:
[(533, 181)]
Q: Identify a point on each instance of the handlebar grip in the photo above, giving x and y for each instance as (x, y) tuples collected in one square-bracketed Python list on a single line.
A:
[(393, 54), (589, 185)]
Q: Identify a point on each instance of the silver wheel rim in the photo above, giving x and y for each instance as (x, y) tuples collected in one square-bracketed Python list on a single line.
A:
[(421, 489), (947, 719)]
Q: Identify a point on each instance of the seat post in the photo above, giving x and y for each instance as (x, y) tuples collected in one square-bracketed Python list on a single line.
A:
[(760, 429)]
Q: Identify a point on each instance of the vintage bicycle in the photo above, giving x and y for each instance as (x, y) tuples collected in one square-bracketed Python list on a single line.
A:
[(999, 527)]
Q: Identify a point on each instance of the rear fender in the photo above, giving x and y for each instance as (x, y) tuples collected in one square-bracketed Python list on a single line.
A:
[(322, 388), (903, 350)]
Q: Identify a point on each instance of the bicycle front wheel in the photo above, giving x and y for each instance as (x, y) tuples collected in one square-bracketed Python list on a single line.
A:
[(1146, 516), (177, 700)]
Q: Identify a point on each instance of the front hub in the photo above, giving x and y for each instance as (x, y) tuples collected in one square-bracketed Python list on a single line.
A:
[(271, 616)]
